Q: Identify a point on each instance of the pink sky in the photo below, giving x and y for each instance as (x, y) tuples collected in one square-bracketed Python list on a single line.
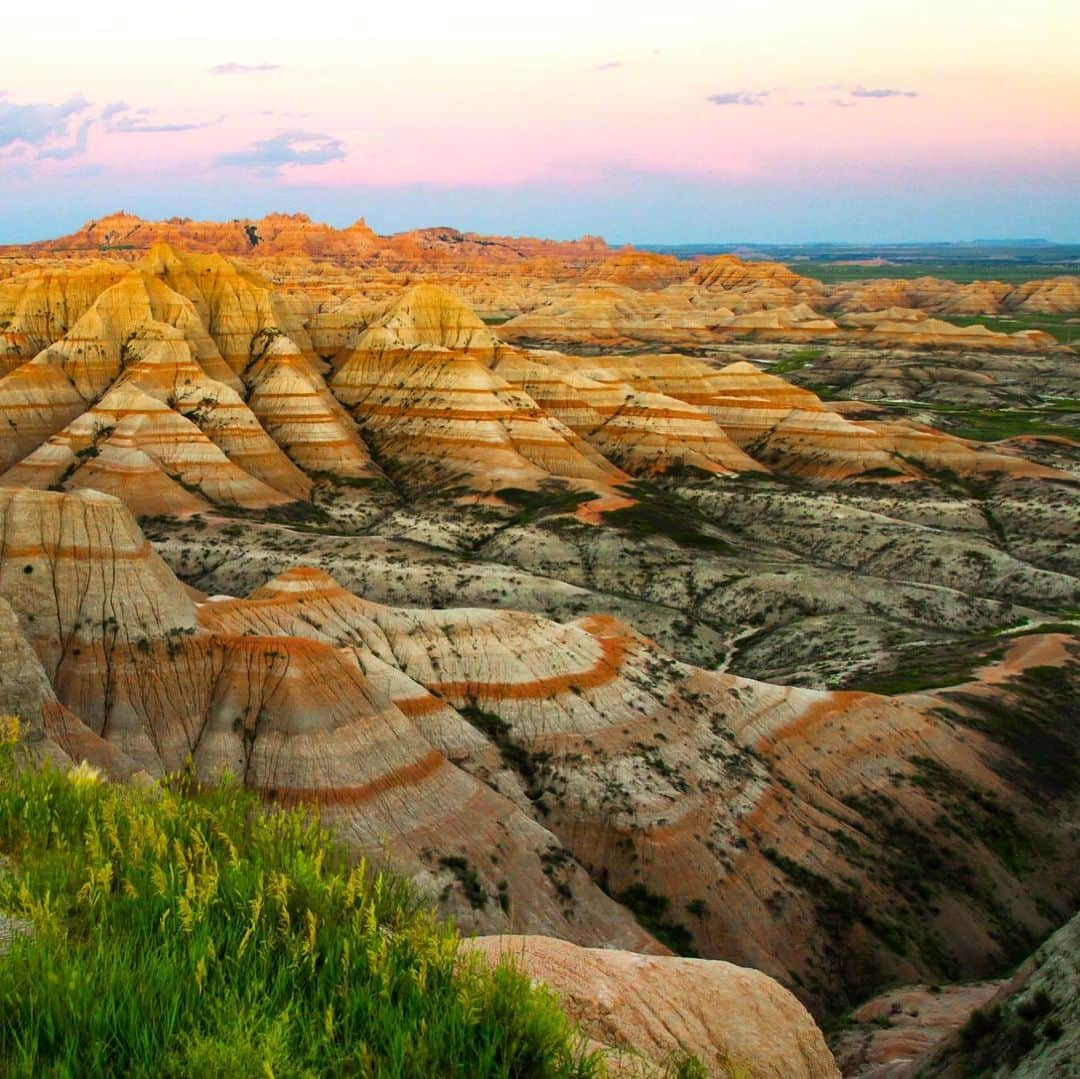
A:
[(808, 102)]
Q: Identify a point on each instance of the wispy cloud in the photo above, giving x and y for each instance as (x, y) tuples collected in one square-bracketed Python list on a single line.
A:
[(122, 119), (41, 127), (114, 108), (610, 65), (740, 97), (839, 103), (862, 91), (233, 68), (75, 148), (271, 155)]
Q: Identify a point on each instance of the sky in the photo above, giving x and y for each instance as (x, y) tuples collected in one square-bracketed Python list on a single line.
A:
[(775, 121)]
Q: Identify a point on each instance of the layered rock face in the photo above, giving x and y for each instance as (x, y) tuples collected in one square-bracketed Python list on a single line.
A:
[(576, 612), (528, 770), (188, 382), (1023, 1025)]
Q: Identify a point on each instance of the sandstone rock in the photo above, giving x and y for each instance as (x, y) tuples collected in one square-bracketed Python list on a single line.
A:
[(649, 1008)]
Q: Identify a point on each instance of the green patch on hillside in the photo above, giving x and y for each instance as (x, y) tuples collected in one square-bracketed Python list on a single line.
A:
[(930, 666), (795, 361), (182, 932), (1034, 722), (657, 512), (652, 911), (550, 500)]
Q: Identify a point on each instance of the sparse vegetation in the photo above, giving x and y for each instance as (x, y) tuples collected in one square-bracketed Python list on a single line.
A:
[(657, 512), (652, 910), (796, 360)]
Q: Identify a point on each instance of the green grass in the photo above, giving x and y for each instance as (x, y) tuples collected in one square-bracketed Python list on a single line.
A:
[(652, 911), (550, 500), (182, 932), (990, 425), (1060, 327), (962, 272), (1034, 725), (1055, 418), (795, 361), (931, 666)]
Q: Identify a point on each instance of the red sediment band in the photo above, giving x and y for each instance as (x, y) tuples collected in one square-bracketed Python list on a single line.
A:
[(604, 671), (78, 554), (407, 776), (819, 712), (414, 707)]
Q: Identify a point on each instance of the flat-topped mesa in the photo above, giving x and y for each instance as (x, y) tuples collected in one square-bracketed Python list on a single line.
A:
[(296, 235), (276, 234), (914, 328), (639, 269), (1052, 295)]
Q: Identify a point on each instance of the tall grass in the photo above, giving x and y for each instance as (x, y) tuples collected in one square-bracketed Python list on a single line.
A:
[(181, 932)]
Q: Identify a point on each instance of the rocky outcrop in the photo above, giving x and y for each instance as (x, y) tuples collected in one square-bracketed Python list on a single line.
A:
[(296, 235), (1025, 1025), (647, 1011)]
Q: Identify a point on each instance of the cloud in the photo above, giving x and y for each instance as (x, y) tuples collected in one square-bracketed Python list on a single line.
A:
[(134, 125), (114, 108), (740, 97), (861, 91), (243, 69), (39, 126), (76, 148), (837, 103), (270, 155), (122, 119), (611, 65)]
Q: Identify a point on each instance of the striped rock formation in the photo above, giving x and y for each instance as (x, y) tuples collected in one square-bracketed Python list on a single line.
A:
[(642, 432), (189, 382), (156, 680), (420, 385), (527, 770)]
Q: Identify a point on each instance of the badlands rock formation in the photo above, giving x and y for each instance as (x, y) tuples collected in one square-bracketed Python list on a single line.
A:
[(187, 382), (518, 563), (297, 235), (528, 770), (1024, 1025)]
